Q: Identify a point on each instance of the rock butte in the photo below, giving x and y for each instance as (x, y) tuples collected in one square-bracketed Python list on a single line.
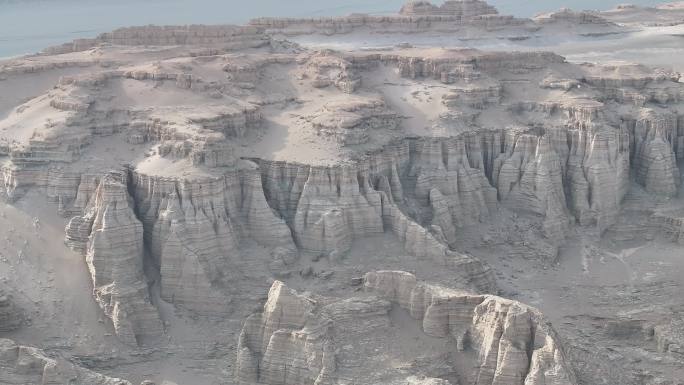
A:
[(194, 167)]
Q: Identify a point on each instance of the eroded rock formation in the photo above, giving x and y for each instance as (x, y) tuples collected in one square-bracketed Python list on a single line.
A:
[(281, 161), (26, 365), (112, 238), (297, 338), (502, 332)]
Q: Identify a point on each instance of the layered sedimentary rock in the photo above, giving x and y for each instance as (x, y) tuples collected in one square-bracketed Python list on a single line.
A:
[(477, 96), (502, 332), (529, 177), (656, 144), (190, 236), (325, 69), (463, 9), (193, 229), (300, 339), (27, 365), (11, 317), (225, 36), (112, 238), (569, 16), (436, 150), (415, 16), (352, 122), (276, 348), (329, 207)]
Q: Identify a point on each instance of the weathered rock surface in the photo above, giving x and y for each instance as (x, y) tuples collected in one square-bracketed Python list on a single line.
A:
[(297, 338), (350, 122), (462, 9), (329, 207), (112, 238), (569, 16), (231, 37), (656, 144), (502, 332), (414, 16), (280, 161), (26, 365)]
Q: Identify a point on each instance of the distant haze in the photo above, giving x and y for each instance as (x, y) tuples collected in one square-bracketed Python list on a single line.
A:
[(28, 26)]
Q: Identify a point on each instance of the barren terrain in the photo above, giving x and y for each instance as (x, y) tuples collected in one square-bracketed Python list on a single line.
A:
[(445, 195)]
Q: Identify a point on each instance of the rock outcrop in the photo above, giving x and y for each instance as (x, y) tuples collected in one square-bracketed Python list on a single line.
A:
[(224, 36), (112, 238), (656, 145), (566, 15), (27, 365), (352, 122), (300, 339), (502, 332), (414, 16), (189, 234), (328, 208), (463, 9), (276, 348)]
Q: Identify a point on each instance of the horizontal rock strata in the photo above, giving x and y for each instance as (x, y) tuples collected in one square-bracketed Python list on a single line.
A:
[(503, 332), (112, 238), (233, 37), (27, 365), (297, 338)]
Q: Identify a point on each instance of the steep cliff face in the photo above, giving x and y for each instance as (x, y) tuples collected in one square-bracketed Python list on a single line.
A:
[(560, 175), (328, 208), (656, 145), (26, 365), (276, 348), (112, 238), (193, 230), (299, 339), (514, 343), (424, 190), (190, 237)]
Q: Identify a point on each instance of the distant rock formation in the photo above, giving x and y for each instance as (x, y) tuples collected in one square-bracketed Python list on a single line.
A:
[(226, 36), (464, 9), (566, 15)]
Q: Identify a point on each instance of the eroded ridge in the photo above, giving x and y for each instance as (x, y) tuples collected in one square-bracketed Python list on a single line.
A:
[(474, 339)]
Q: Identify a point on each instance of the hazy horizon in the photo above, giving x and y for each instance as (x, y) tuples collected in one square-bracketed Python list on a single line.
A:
[(28, 26)]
